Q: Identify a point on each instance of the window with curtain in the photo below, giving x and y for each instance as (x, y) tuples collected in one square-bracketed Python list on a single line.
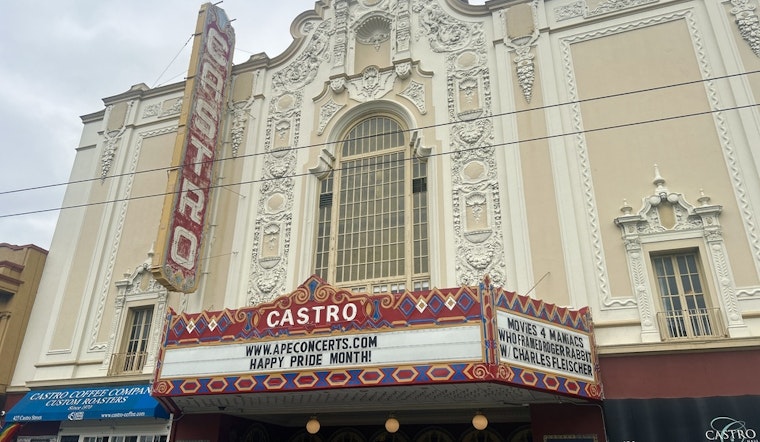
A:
[(372, 230), (685, 310), (135, 345)]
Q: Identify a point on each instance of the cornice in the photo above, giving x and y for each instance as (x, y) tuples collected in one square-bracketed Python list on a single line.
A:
[(690, 346), (23, 247)]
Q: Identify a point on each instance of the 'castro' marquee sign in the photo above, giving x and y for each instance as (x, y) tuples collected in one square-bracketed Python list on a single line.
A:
[(184, 212), (320, 336)]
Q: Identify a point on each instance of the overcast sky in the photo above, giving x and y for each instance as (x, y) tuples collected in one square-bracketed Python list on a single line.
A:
[(60, 58)]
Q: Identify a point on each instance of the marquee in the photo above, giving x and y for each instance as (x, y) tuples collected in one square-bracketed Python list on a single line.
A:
[(321, 337)]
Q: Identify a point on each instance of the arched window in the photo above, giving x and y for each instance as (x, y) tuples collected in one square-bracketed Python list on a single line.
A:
[(372, 230)]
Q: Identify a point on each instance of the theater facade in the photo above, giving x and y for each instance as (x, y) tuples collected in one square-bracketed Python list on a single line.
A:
[(478, 362), (424, 220)]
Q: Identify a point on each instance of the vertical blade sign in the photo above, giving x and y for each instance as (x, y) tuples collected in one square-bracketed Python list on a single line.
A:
[(180, 236)]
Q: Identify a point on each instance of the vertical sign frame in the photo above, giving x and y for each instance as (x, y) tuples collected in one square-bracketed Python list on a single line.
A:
[(180, 236)]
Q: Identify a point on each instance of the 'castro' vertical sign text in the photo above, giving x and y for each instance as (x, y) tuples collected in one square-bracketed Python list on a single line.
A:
[(181, 230)]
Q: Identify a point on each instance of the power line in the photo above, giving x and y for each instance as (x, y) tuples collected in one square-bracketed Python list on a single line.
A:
[(309, 146), (297, 175), (173, 59)]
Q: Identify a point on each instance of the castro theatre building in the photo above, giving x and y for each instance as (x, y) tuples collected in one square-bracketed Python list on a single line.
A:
[(401, 227), (465, 364)]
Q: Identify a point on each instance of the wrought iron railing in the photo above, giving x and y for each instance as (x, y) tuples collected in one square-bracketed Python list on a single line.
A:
[(690, 324), (127, 363)]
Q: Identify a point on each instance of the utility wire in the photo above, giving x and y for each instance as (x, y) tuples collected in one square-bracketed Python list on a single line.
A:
[(488, 146), (296, 148), (173, 59)]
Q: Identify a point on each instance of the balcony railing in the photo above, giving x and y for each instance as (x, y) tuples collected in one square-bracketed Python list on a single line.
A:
[(127, 363), (691, 324)]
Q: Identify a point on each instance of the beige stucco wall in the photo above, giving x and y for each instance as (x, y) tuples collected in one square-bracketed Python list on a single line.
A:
[(540, 196), (687, 150), (20, 272)]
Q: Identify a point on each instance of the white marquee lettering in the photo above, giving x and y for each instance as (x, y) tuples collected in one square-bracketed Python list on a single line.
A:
[(313, 315), (318, 313), (349, 312), (272, 320), (303, 316), (332, 313)]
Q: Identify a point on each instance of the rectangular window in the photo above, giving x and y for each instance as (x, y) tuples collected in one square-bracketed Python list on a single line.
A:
[(685, 311), (136, 337)]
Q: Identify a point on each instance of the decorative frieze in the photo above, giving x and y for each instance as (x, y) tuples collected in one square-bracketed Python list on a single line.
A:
[(326, 112), (521, 41), (608, 6), (475, 191), (240, 113), (683, 221), (445, 33), (748, 23), (110, 253), (570, 10), (166, 108), (372, 84), (580, 8), (415, 93), (303, 69), (274, 212)]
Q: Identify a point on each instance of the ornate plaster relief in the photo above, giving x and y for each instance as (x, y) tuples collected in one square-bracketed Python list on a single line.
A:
[(475, 191), (602, 280), (748, 23), (685, 221), (94, 345), (137, 285)]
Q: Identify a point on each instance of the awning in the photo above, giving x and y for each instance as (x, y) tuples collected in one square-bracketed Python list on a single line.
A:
[(729, 418), (73, 404)]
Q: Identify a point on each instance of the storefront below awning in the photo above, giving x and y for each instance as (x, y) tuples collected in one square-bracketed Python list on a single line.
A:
[(733, 418), (74, 404)]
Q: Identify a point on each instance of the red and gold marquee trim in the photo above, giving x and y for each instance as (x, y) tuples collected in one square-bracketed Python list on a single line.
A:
[(380, 313)]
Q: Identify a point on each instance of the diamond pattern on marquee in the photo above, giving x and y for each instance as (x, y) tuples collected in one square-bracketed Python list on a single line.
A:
[(338, 378), (190, 386), (440, 372), (421, 305), (275, 382), (528, 378), (306, 380), (217, 385), (572, 386), (407, 374), (551, 382), (450, 302), (245, 383), (371, 376)]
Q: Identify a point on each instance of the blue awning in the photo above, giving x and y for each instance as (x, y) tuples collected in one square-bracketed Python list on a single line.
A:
[(73, 404)]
